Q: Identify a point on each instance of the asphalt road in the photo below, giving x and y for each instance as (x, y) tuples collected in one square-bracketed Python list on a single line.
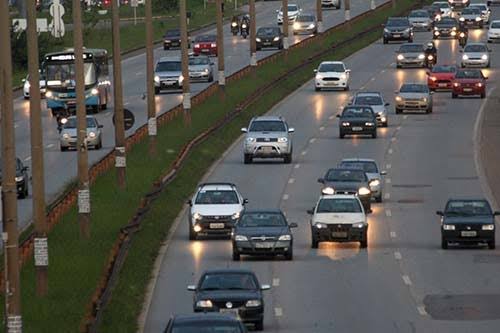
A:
[(61, 167), (403, 282)]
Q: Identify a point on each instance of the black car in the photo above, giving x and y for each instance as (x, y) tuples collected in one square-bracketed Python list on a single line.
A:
[(397, 28), (357, 120), (205, 323), (344, 180), (469, 220), (172, 38), (263, 232), (21, 178), (447, 27), (269, 37), (231, 291)]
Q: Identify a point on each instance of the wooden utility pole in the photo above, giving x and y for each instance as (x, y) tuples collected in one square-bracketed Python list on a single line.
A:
[(319, 14), (37, 166), (152, 127), (186, 92), (253, 34), (12, 312), (120, 158), (81, 125), (220, 49), (286, 26)]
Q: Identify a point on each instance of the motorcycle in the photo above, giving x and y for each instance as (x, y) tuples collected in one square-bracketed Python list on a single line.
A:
[(462, 39), (235, 26)]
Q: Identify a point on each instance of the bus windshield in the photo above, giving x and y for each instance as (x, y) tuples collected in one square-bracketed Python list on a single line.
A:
[(63, 74)]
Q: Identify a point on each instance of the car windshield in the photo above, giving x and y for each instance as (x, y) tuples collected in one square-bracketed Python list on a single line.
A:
[(71, 123), (63, 75), (467, 207), (195, 61), (411, 48), (444, 69), (168, 66), (357, 112), (401, 22), (475, 48), (343, 175), (471, 11), (468, 74), (446, 22), (206, 327), (329, 67), (173, 33), (205, 38), (228, 281), (495, 25), (419, 13), (368, 100), (268, 31), (338, 206), (305, 18), (215, 197), (368, 167), (414, 88), (267, 126), (262, 220)]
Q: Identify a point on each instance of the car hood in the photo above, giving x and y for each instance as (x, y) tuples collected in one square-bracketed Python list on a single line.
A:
[(198, 67), (345, 186), (169, 74), (214, 210), (261, 231), (338, 218), (414, 95), (469, 219), (228, 295)]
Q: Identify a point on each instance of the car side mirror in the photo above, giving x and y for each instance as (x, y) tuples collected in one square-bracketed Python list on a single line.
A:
[(265, 287), (245, 201), (439, 212), (293, 225), (321, 180), (100, 126), (191, 287), (310, 211), (383, 173), (244, 130), (189, 202), (291, 130)]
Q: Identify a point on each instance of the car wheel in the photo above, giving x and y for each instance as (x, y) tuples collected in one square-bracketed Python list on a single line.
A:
[(453, 95), (157, 90), (444, 243), (288, 158), (192, 234), (398, 110), (374, 134), (491, 245), (236, 255), (259, 325), (289, 254), (314, 243), (379, 198)]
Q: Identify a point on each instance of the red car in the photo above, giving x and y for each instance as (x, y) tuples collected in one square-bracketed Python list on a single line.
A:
[(205, 44), (469, 82), (441, 77)]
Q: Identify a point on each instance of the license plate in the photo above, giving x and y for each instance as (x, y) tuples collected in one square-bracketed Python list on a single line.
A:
[(357, 128), (339, 234), (442, 85), (396, 35), (216, 225), (468, 234), (264, 245), (468, 89)]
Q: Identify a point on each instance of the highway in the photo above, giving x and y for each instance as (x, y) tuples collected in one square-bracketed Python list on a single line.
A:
[(403, 282), (61, 167)]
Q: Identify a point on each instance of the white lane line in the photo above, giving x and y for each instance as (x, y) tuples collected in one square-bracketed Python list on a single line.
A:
[(276, 282), (388, 180), (27, 159), (390, 151), (387, 196), (313, 140), (304, 152), (407, 280), (278, 312), (322, 128), (291, 180), (50, 145), (286, 196), (388, 166), (393, 234), (296, 166), (421, 310), (388, 213), (398, 255)]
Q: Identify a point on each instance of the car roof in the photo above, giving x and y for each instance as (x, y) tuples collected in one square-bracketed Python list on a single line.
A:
[(279, 118), (228, 270), (169, 59), (354, 159), (199, 317), (217, 186), (338, 196)]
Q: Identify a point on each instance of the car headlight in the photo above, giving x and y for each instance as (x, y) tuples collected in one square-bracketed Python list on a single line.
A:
[(343, 76), (92, 135), (282, 140), (364, 191), (204, 303), (94, 91), (253, 303), (65, 136), (368, 123), (375, 182), (157, 79), (236, 216), (400, 57), (488, 227), (19, 178), (461, 19), (277, 38), (197, 216), (484, 57), (250, 140), (285, 238), (359, 225), (319, 225), (328, 190), (448, 227), (421, 56), (478, 19), (240, 238), (346, 123), (49, 94), (258, 39), (465, 57), (296, 26)]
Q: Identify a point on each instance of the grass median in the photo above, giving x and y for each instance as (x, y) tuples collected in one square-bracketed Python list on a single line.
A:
[(76, 265)]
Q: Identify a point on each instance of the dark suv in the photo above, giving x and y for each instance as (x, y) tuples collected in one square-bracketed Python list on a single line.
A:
[(397, 28)]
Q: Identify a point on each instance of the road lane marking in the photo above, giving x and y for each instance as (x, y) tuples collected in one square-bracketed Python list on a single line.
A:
[(297, 166), (407, 280), (278, 312), (291, 180), (421, 310), (312, 140), (398, 255), (27, 159), (388, 166), (393, 234), (388, 213), (390, 151), (286, 196), (387, 196), (388, 180), (322, 128), (276, 282), (304, 152)]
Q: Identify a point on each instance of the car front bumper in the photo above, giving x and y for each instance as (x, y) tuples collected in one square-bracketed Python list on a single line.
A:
[(339, 233), (262, 247)]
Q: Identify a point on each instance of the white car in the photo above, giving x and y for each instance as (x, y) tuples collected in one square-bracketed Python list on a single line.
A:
[(331, 4), (332, 74), (214, 209), (445, 8), (338, 218), (293, 11), (485, 11), (475, 55), (26, 87), (494, 31)]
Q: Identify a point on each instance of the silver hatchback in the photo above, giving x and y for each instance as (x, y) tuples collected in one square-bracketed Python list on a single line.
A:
[(268, 137)]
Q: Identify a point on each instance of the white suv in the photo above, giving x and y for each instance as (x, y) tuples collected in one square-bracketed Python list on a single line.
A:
[(215, 208), (338, 218)]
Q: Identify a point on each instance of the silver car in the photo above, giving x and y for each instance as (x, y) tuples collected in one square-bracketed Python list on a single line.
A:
[(201, 69), (371, 170), (267, 137), (168, 74), (305, 24), (420, 19), (68, 134), (376, 101), (414, 97), (410, 54), (475, 55)]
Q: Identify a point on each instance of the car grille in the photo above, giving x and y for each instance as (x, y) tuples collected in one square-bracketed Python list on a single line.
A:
[(267, 140)]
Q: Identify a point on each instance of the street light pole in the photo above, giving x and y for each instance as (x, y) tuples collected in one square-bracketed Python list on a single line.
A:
[(253, 34), (186, 93), (220, 48), (152, 127), (9, 188), (286, 27), (120, 158), (319, 11), (81, 125), (37, 165)]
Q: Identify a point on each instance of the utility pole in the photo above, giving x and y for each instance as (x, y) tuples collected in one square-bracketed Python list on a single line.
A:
[(9, 188), (220, 49), (152, 127), (286, 27), (120, 159), (319, 11), (347, 7), (253, 34), (186, 93), (37, 165), (81, 126)]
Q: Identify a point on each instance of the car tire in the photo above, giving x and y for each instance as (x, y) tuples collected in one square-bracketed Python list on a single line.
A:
[(483, 94), (314, 243), (236, 256), (374, 134), (157, 91), (444, 244), (289, 255), (192, 234), (247, 158), (288, 158), (491, 245), (398, 110), (259, 325)]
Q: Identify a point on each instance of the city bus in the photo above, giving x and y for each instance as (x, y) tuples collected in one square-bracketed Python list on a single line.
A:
[(59, 71)]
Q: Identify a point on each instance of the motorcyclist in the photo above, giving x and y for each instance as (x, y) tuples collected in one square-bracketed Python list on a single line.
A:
[(235, 25)]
